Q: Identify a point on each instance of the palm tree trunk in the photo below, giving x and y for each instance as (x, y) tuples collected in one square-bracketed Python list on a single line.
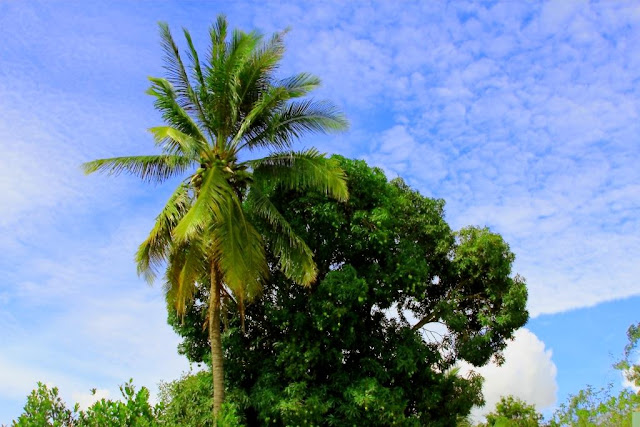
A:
[(215, 339)]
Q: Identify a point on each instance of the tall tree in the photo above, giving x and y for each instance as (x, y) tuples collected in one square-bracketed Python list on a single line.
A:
[(217, 113), (353, 349)]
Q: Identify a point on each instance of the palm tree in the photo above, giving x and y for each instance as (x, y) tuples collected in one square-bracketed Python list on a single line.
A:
[(217, 114)]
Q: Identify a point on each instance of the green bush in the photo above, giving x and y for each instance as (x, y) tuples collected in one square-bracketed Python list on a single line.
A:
[(188, 401), (185, 402), (45, 407)]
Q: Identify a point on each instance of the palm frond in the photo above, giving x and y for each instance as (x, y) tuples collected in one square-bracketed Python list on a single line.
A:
[(274, 97), (239, 252), (295, 258), (175, 142), (153, 252), (241, 47), (300, 84), (186, 96), (257, 76), (272, 115), (184, 269), (302, 170), (156, 168), (201, 88), (216, 80), (172, 111), (218, 34), (213, 204), (292, 121), (195, 60), (224, 80), (240, 51)]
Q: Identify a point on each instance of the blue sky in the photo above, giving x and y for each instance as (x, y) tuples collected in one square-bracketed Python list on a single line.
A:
[(523, 116)]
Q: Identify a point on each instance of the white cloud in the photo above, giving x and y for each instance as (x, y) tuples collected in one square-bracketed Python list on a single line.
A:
[(528, 373)]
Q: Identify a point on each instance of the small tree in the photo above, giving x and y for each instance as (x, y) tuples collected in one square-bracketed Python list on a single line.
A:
[(45, 407), (511, 411), (598, 407)]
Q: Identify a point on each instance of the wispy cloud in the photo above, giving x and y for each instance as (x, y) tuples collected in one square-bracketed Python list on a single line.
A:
[(524, 117), (89, 322)]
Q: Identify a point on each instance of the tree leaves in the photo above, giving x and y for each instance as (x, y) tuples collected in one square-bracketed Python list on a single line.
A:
[(239, 251), (304, 170), (172, 112), (334, 353), (288, 122), (152, 168), (173, 141), (234, 98), (156, 247), (295, 259), (213, 205)]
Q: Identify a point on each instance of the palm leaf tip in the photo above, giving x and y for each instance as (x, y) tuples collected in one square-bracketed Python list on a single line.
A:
[(88, 168)]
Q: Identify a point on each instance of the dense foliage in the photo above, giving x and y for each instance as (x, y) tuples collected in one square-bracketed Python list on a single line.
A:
[(354, 348), (400, 298), (186, 402)]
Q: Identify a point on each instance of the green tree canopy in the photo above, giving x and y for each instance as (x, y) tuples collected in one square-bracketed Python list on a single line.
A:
[(354, 348)]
